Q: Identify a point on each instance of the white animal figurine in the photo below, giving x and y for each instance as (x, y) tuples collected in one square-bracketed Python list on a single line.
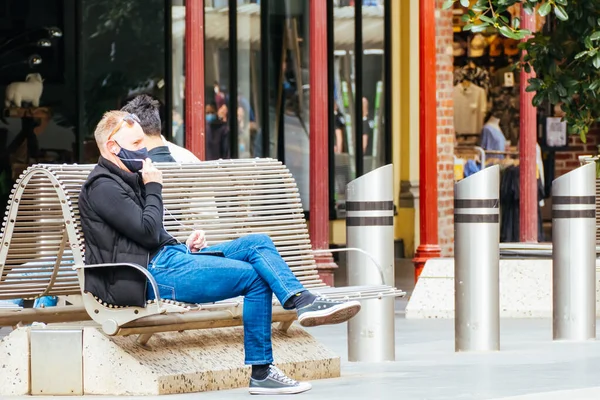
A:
[(28, 91)]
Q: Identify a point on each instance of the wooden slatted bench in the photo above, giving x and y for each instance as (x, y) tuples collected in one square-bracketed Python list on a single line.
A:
[(42, 245)]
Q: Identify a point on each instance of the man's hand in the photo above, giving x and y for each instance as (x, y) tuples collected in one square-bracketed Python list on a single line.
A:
[(150, 173), (196, 241)]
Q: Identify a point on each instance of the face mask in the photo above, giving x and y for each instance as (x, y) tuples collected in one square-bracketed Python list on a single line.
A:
[(133, 159), (210, 118)]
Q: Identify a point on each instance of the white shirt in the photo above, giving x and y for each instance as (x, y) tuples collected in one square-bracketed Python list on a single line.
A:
[(470, 106), (180, 154)]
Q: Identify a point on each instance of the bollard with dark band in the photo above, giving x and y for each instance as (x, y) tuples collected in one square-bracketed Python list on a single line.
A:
[(476, 261), (574, 255), (370, 227)]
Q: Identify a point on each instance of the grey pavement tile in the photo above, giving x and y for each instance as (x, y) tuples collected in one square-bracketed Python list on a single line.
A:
[(426, 367)]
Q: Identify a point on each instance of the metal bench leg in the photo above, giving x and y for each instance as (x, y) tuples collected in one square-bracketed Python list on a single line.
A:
[(142, 339), (284, 326)]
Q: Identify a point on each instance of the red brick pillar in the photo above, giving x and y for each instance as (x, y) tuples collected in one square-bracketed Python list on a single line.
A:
[(319, 142), (428, 189), (445, 128), (194, 78)]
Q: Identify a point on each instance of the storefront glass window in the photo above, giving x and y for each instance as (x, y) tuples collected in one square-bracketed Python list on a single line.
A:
[(344, 148), (372, 118), (357, 113), (178, 68), (248, 78), (289, 88), (217, 79), (38, 126), (123, 44)]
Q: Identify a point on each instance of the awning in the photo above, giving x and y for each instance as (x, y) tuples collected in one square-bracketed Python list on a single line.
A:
[(248, 17)]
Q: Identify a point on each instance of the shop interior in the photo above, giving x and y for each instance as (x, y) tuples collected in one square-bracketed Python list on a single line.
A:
[(37, 118), (486, 119)]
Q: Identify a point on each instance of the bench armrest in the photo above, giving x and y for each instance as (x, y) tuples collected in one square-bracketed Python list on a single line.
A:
[(135, 266), (369, 256)]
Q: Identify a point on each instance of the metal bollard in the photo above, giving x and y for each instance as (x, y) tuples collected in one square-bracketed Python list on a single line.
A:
[(476, 262), (574, 255), (370, 227)]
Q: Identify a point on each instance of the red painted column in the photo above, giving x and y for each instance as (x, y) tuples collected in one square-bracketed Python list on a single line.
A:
[(319, 143), (428, 207), (528, 201), (194, 78)]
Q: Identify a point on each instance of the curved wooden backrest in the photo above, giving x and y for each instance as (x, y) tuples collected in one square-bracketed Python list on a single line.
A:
[(41, 236)]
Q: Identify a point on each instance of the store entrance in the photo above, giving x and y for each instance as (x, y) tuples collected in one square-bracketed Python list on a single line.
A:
[(487, 117)]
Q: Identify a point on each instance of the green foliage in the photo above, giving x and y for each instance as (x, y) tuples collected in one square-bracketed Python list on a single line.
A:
[(566, 61)]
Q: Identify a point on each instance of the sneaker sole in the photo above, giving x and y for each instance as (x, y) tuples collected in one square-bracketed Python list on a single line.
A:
[(330, 316), (283, 390)]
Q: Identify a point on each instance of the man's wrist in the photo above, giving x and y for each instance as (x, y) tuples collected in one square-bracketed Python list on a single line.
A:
[(153, 187)]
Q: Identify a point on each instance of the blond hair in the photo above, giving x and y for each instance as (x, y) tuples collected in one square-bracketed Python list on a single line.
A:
[(109, 121)]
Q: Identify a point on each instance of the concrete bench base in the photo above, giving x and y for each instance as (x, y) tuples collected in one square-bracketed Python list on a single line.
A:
[(525, 290), (191, 361)]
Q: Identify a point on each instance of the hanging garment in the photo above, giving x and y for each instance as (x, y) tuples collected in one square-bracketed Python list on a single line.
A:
[(509, 206), (477, 75), (470, 106), (471, 167)]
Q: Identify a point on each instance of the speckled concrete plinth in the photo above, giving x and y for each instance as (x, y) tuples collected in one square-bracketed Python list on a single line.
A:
[(194, 361), (525, 290), (191, 361), (14, 363)]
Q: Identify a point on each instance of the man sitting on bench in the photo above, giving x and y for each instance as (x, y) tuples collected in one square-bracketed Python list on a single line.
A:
[(122, 209)]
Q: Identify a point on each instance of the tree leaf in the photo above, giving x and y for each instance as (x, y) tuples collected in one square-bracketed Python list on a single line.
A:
[(545, 9), (509, 33), (571, 82), (480, 27), (516, 23), (595, 35), (561, 2), (560, 13), (579, 55), (535, 83), (465, 3), (448, 4), (537, 99), (588, 42), (596, 61), (487, 19)]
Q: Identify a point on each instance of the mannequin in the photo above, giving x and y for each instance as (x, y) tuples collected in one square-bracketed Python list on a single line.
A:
[(494, 122), (492, 137)]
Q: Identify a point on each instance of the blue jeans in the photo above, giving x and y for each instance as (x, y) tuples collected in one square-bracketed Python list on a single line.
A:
[(46, 301), (252, 267)]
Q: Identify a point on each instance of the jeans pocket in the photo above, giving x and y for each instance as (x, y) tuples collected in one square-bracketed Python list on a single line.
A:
[(155, 262), (166, 291)]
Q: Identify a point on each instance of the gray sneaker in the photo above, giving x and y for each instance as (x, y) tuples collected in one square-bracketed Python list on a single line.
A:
[(277, 383), (324, 311)]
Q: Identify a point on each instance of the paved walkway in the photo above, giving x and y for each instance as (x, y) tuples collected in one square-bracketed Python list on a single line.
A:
[(427, 367), (529, 366)]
